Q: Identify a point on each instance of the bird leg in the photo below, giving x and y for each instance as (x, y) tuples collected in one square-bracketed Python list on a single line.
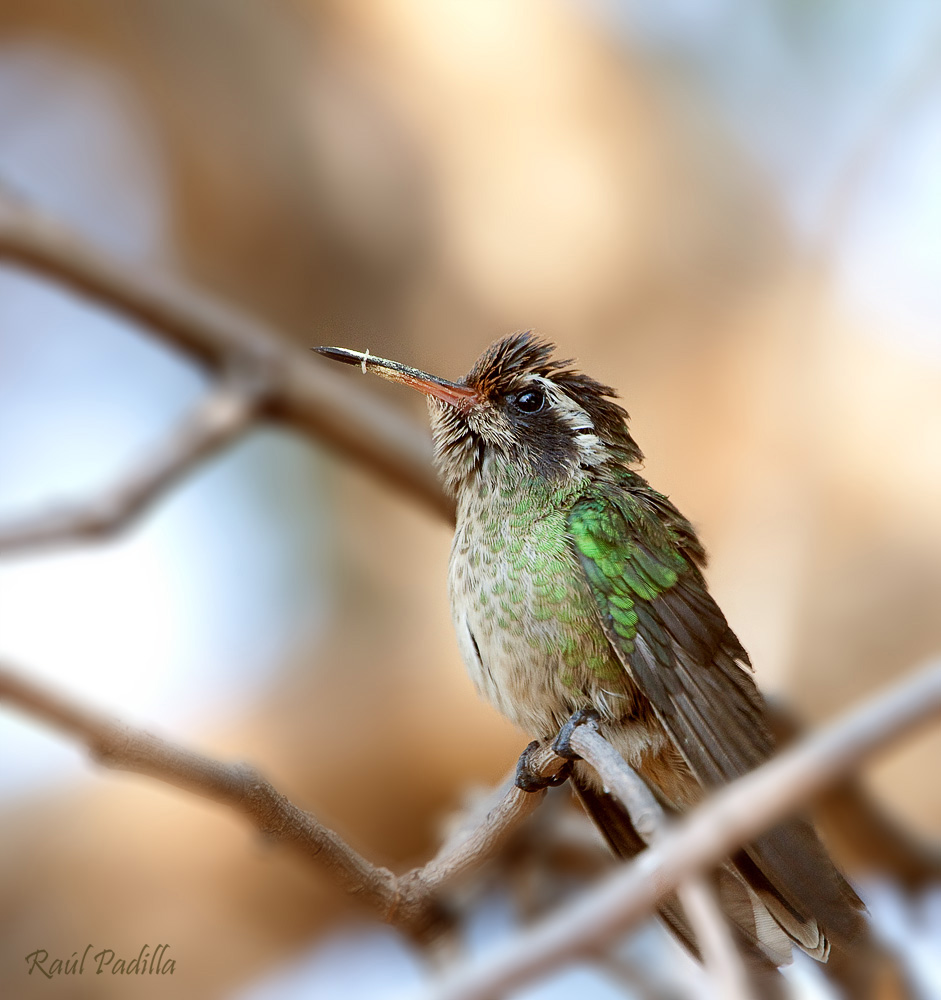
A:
[(583, 717), (529, 777)]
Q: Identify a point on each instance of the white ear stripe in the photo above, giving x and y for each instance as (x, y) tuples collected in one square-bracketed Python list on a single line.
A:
[(591, 451)]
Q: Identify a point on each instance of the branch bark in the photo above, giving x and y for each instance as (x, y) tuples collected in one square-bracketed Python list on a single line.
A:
[(732, 817)]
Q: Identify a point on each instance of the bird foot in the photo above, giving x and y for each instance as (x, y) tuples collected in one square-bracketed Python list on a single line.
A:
[(562, 745), (528, 778)]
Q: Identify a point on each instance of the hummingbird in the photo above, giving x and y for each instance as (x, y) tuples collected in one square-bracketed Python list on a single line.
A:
[(576, 588)]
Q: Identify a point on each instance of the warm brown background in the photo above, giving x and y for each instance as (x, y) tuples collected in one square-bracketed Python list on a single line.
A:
[(418, 177)]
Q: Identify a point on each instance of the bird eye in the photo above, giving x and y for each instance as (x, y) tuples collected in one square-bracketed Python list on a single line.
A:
[(530, 401)]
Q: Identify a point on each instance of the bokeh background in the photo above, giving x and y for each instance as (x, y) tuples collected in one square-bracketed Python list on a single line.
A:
[(729, 209)]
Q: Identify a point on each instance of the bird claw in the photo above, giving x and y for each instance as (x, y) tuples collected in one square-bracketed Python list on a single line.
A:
[(562, 745), (528, 779)]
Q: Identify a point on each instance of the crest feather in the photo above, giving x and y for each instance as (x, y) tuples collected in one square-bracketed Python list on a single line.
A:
[(523, 353)]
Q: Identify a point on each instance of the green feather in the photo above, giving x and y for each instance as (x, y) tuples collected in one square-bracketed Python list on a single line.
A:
[(625, 558)]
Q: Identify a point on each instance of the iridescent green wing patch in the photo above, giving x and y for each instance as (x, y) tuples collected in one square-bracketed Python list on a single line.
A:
[(668, 631), (620, 564)]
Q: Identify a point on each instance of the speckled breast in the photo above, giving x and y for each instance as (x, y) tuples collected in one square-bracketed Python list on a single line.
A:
[(527, 626)]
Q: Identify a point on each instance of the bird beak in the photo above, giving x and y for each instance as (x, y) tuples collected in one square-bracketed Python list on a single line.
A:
[(453, 393)]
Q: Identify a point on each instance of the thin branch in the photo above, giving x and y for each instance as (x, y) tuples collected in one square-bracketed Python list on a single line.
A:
[(622, 781), (220, 418), (859, 827), (719, 953), (720, 956), (305, 393), (407, 901), (732, 817), (463, 853)]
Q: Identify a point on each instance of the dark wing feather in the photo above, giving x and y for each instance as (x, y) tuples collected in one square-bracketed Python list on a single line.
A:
[(640, 560)]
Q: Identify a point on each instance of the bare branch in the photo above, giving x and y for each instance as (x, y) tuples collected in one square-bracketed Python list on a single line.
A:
[(117, 746), (719, 953), (732, 817), (407, 901), (305, 394), (622, 781), (220, 418), (859, 827), (471, 848)]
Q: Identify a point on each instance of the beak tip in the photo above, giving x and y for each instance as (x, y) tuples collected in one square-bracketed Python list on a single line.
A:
[(340, 354)]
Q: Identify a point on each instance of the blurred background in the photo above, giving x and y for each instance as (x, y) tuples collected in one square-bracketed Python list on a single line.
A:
[(729, 209)]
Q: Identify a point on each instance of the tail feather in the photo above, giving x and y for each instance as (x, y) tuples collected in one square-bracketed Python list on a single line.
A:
[(797, 873)]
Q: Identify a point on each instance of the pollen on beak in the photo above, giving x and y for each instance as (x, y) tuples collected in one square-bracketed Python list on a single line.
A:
[(453, 393)]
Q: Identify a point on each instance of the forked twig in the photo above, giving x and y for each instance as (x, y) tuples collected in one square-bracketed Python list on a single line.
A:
[(719, 954)]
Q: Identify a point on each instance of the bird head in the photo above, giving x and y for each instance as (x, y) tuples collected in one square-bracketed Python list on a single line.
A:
[(517, 414)]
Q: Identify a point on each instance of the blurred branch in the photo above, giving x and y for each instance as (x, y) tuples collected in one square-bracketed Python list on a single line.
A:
[(220, 418), (734, 815), (719, 954), (304, 394), (407, 901), (857, 826)]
